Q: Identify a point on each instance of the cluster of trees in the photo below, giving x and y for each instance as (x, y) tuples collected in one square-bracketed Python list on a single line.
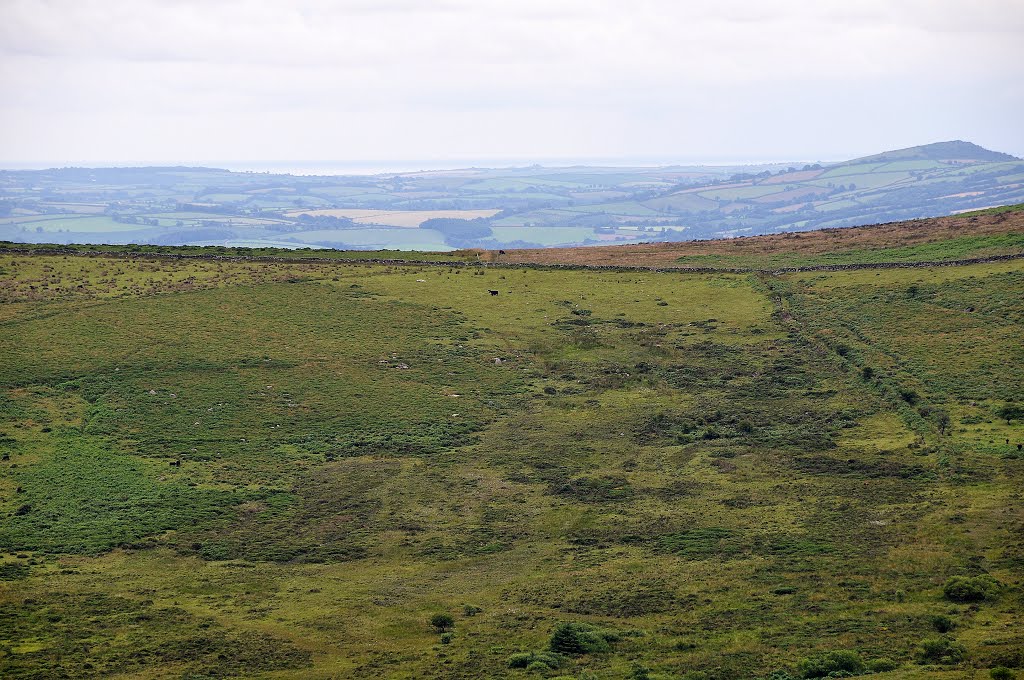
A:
[(135, 219), (458, 232), (325, 222)]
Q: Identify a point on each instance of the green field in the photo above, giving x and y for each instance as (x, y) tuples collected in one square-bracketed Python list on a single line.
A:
[(286, 469), (76, 224), (544, 236), (966, 247)]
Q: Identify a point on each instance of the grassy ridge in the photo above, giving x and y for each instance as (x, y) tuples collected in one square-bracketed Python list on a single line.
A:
[(286, 468), (982, 234), (966, 247)]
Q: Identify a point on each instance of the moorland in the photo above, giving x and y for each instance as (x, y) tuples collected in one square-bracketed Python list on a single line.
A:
[(216, 466)]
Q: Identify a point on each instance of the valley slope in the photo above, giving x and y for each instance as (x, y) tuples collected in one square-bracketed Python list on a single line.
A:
[(287, 468)]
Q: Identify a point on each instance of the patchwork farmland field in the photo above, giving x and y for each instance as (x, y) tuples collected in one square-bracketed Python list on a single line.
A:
[(309, 469), (499, 208)]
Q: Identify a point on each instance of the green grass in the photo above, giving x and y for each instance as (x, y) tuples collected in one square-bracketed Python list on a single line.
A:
[(79, 223), (757, 191), (1017, 207), (965, 247), (545, 236), (694, 465)]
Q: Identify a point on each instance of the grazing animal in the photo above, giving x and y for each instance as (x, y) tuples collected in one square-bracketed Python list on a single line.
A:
[(492, 292), (501, 252)]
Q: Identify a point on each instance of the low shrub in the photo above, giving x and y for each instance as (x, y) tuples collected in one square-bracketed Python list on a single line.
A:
[(1001, 673), (574, 639), (969, 588), (442, 622), (828, 663), (536, 661), (942, 623), (940, 650), (519, 660), (882, 665)]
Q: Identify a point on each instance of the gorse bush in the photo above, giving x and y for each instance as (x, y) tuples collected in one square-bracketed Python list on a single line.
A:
[(881, 665), (969, 588), (940, 650), (575, 639), (828, 663), (531, 660), (942, 623)]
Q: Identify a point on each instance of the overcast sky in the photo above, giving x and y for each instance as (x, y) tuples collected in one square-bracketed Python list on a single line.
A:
[(442, 80)]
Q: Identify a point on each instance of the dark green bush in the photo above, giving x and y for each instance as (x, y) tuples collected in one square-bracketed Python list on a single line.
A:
[(442, 622), (941, 650), (969, 588), (828, 663), (881, 665), (580, 638), (520, 660), (536, 661), (942, 623), (1001, 673)]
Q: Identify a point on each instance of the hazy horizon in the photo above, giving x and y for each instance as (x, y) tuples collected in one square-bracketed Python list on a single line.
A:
[(385, 166)]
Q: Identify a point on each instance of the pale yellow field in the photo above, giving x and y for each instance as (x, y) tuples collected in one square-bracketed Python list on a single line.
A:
[(395, 218)]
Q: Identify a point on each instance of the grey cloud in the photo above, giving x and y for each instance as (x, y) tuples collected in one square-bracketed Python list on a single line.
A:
[(403, 78)]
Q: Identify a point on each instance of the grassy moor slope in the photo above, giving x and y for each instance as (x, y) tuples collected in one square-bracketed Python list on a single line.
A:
[(346, 469), (973, 235)]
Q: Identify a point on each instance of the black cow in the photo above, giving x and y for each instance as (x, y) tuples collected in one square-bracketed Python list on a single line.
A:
[(492, 292)]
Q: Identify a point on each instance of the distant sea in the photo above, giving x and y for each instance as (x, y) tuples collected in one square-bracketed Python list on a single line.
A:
[(379, 167)]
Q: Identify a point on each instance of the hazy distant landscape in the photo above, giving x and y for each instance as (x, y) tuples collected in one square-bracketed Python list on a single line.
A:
[(497, 207)]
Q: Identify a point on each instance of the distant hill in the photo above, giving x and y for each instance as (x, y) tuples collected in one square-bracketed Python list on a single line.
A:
[(956, 150), (522, 207)]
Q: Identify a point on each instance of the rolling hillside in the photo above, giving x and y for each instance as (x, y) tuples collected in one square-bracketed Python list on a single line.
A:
[(216, 467), (980, 234)]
